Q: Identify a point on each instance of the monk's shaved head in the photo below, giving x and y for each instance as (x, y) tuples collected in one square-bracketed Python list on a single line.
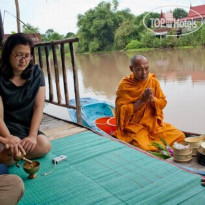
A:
[(139, 66), (136, 58)]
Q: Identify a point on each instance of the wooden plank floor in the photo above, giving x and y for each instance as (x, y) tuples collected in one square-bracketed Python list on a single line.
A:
[(192, 164), (56, 128)]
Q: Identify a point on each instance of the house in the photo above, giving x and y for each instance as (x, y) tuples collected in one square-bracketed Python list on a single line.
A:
[(166, 19), (164, 24), (195, 13)]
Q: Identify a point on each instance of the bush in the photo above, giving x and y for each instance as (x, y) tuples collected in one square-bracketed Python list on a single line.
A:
[(94, 46), (133, 44)]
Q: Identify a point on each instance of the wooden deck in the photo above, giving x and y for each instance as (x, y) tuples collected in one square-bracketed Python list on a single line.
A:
[(193, 164), (55, 128)]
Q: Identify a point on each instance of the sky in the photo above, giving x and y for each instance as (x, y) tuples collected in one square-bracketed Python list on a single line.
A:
[(61, 15)]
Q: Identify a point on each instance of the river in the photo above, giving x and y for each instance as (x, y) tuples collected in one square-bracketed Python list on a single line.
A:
[(181, 74)]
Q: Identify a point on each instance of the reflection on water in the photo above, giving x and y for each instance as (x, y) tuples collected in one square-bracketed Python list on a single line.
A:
[(181, 74)]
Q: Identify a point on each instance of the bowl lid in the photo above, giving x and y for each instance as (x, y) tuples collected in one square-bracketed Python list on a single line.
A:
[(193, 139)]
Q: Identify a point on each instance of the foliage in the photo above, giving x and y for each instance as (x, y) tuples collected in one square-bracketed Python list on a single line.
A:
[(202, 34), (97, 27), (70, 35), (28, 28), (179, 13), (115, 4), (164, 150), (134, 44), (147, 40), (124, 33), (152, 15), (51, 35)]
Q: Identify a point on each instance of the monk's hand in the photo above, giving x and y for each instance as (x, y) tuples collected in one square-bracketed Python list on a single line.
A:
[(152, 99), (29, 143), (147, 95)]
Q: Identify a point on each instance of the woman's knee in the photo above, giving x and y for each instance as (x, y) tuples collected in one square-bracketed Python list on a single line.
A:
[(43, 145), (47, 144)]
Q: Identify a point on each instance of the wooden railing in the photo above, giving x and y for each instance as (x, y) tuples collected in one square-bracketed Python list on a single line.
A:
[(55, 47)]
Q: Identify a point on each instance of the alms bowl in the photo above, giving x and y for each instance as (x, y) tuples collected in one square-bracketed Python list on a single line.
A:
[(31, 169)]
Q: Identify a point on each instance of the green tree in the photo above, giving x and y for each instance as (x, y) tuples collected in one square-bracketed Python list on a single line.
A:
[(70, 35), (97, 27), (124, 33), (179, 13), (28, 28), (48, 33), (152, 15), (147, 40), (202, 32), (115, 4), (51, 35)]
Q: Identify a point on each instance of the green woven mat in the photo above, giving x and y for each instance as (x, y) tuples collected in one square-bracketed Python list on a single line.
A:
[(102, 171)]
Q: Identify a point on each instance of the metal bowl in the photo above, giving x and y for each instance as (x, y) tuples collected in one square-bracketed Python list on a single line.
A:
[(31, 169)]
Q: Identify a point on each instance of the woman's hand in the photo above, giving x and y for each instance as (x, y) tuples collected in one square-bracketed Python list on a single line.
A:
[(13, 143), (29, 143)]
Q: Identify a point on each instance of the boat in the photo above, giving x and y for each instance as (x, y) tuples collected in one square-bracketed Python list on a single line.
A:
[(93, 109)]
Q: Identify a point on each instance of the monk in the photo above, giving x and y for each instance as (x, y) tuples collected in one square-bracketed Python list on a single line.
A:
[(139, 104)]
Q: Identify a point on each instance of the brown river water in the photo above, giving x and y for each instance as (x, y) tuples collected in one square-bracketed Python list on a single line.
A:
[(181, 74)]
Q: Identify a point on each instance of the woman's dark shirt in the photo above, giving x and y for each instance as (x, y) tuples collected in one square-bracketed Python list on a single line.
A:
[(19, 102)]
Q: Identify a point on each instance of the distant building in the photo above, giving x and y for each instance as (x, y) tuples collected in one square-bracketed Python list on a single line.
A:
[(166, 19), (194, 13), (165, 23)]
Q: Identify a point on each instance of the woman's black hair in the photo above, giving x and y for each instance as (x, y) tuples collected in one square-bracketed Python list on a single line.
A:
[(5, 66)]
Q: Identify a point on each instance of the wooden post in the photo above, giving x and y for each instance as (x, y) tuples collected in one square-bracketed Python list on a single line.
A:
[(1, 31), (18, 16), (49, 74), (65, 82), (76, 88), (55, 61), (40, 57)]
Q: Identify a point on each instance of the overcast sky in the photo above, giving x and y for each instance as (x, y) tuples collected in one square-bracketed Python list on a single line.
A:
[(61, 15)]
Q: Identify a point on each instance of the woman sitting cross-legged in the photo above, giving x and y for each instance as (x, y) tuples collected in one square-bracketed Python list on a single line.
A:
[(22, 96)]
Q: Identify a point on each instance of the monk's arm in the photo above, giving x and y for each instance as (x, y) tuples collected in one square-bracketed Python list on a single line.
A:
[(138, 105)]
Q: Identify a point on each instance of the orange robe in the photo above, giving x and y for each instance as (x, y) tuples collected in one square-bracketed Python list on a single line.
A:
[(145, 125)]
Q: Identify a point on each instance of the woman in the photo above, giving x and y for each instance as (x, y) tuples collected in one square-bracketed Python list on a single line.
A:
[(22, 96)]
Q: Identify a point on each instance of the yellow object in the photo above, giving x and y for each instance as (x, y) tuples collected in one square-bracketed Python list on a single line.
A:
[(145, 125)]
